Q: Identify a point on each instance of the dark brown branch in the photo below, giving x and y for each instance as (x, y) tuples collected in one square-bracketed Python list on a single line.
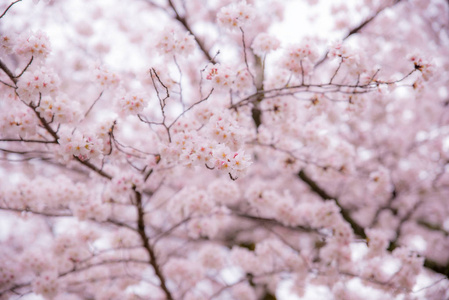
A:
[(23, 152), (146, 244), (76, 269), (246, 57), (92, 106), (358, 28), (29, 141), (274, 223), (93, 168), (433, 227), (394, 243), (46, 214), (23, 71), (8, 72), (434, 266), (61, 215), (44, 122), (186, 26), (317, 89), (4, 13), (170, 230), (53, 133), (120, 224), (7, 84), (429, 264), (360, 231)]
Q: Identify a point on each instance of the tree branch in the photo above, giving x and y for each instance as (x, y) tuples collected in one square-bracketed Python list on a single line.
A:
[(186, 26), (93, 168), (145, 241), (4, 13), (314, 187), (358, 28), (8, 72)]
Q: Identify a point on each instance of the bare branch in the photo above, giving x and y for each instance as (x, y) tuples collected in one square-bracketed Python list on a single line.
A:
[(28, 210), (190, 107), (186, 26), (92, 106), (93, 168), (8, 71), (23, 71), (149, 248), (4, 13), (246, 56), (29, 141), (358, 28)]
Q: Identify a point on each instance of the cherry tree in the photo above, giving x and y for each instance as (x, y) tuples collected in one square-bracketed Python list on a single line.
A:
[(170, 149)]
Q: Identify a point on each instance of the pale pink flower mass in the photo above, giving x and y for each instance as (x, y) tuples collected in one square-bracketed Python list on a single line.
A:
[(224, 149)]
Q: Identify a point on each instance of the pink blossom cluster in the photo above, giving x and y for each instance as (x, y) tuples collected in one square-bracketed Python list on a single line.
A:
[(265, 262), (72, 247), (264, 43), (343, 51), (223, 77), (46, 284), (59, 109), (204, 214), (224, 192), (191, 202), (18, 122), (377, 242), (411, 264), (7, 43), (83, 146), (251, 177), (224, 129), (299, 58), (36, 83), (204, 227), (175, 41), (212, 256), (42, 193), (35, 44), (233, 162), (183, 271), (123, 238), (235, 15), (132, 103), (423, 65), (354, 62), (244, 291), (122, 186), (219, 147), (7, 275), (104, 77), (90, 208)]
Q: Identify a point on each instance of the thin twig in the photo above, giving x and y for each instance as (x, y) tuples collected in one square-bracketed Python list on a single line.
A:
[(4, 13), (246, 58), (358, 29), (190, 107), (336, 71), (8, 72), (180, 82), (24, 70), (90, 108), (28, 141), (186, 26)]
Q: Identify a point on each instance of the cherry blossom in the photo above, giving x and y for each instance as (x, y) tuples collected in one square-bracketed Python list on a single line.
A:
[(224, 149)]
